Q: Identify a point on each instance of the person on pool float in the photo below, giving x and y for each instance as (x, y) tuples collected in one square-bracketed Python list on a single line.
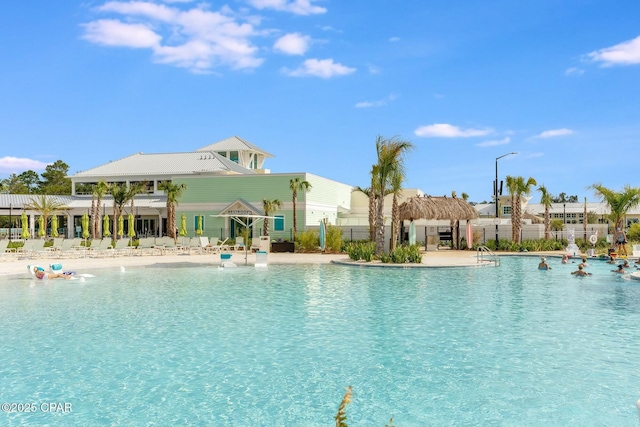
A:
[(580, 271), (40, 274), (543, 264)]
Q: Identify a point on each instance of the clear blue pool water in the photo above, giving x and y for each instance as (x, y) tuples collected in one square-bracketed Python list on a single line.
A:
[(276, 347)]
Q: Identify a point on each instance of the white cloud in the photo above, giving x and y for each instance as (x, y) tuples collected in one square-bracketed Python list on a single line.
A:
[(495, 142), (297, 7), (292, 44), (625, 53), (323, 68), (20, 164), (111, 32), (394, 39), (379, 103), (574, 71), (192, 37), (553, 133), (443, 130)]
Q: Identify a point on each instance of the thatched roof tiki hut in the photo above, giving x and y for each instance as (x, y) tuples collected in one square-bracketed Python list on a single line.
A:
[(439, 208)]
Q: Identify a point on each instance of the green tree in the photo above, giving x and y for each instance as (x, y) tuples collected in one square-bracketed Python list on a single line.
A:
[(269, 206), (173, 192), (14, 185), (45, 206), (619, 202), (31, 180), (546, 200), (390, 160), (54, 179), (517, 187), (295, 185)]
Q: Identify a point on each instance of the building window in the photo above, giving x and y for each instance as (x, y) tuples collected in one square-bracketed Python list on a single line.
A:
[(233, 156), (278, 223), (506, 210), (223, 154)]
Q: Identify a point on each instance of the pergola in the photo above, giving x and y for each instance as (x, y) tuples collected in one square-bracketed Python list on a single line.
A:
[(439, 208)]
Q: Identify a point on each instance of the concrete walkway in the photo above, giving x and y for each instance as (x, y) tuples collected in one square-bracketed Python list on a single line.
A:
[(17, 264)]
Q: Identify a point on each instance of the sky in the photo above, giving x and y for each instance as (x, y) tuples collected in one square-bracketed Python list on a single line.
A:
[(315, 82)]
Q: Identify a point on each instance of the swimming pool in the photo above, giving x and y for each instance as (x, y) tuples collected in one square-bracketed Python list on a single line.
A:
[(185, 345)]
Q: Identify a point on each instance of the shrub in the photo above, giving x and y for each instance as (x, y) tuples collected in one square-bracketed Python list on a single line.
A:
[(361, 251), (333, 239), (308, 240), (633, 234)]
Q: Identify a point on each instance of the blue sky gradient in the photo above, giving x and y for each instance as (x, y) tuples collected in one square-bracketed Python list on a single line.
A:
[(314, 83)]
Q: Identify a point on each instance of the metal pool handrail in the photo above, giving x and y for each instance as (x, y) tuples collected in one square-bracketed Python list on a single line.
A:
[(491, 256)]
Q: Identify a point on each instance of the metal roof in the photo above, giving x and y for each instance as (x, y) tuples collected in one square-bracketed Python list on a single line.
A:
[(234, 143), (172, 164)]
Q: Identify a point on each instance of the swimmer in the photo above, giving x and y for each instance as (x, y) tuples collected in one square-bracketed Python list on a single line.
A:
[(620, 270), (41, 274), (580, 271), (565, 259), (543, 264), (584, 263), (625, 264)]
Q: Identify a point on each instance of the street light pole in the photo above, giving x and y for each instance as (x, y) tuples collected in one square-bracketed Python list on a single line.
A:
[(495, 189)]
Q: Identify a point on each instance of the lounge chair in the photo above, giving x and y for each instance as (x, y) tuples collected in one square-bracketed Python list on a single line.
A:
[(255, 244), (239, 246), (122, 247), (146, 246), (6, 252), (71, 248), (636, 251), (103, 249)]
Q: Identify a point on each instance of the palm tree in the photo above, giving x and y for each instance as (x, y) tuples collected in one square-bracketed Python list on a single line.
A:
[(396, 190), (173, 192), (512, 188), (619, 202), (517, 187), (45, 206), (389, 162), (295, 185), (123, 194), (99, 191), (372, 209), (546, 199), (269, 206)]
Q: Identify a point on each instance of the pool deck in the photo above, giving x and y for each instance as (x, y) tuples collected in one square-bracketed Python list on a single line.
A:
[(16, 264)]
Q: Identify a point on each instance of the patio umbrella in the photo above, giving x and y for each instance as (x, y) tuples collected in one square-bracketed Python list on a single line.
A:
[(469, 235), (41, 230), (412, 233), (85, 225), (199, 225), (183, 225), (322, 235), (132, 231), (25, 226), (54, 226), (105, 226), (120, 226)]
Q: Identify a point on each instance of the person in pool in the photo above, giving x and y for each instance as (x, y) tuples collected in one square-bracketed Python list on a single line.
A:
[(41, 274), (580, 271), (584, 263), (543, 264), (620, 269), (565, 259)]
